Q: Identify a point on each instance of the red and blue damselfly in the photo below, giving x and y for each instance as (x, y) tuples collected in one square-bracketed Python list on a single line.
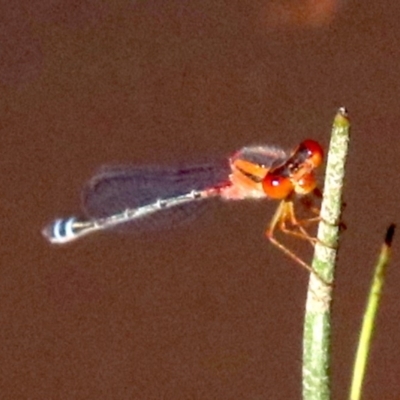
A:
[(135, 197)]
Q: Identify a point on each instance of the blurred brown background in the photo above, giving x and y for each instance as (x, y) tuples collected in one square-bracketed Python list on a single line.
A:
[(209, 311)]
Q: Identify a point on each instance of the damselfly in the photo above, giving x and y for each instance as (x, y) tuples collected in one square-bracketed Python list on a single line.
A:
[(129, 197)]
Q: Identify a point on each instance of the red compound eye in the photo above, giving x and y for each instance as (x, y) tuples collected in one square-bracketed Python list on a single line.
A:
[(276, 186), (315, 152), (306, 184)]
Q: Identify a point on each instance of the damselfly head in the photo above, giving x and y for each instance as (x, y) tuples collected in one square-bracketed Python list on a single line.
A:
[(312, 152)]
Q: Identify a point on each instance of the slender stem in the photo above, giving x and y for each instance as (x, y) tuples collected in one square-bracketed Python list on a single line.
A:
[(316, 341), (370, 314)]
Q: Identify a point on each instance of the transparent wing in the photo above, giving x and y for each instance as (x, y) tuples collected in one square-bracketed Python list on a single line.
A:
[(119, 188)]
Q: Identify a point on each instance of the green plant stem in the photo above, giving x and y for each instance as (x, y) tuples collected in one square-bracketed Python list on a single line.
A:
[(370, 314), (316, 340)]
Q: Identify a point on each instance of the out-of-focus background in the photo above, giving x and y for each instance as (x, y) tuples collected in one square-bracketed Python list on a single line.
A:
[(210, 310)]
